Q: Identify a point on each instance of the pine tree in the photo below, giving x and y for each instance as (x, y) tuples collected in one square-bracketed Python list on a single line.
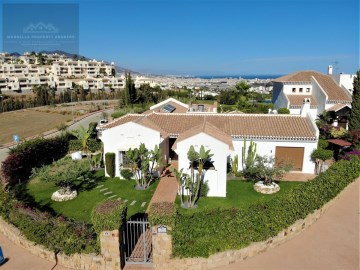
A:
[(126, 96), (132, 91), (354, 121)]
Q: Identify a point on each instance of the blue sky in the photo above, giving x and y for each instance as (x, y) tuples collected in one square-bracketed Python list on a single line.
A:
[(221, 37)]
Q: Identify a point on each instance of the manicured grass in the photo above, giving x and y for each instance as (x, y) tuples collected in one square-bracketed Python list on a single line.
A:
[(89, 196), (240, 194)]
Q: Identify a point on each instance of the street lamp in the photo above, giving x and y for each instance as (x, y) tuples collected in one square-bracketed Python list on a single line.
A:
[(72, 105), (2, 103)]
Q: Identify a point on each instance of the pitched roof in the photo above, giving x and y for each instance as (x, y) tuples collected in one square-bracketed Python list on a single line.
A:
[(122, 120), (337, 107), (340, 142), (333, 91), (298, 100), (178, 108), (300, 76), (235, 125), (206, 128)]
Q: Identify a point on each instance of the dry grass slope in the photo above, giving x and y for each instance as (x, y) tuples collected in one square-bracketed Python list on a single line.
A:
[(28, 123)]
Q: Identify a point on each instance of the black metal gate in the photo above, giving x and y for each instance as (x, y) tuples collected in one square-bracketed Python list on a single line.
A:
[(136, 242)]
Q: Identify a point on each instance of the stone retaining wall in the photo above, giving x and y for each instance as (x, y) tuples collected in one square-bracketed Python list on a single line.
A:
[(109, 248), (162, 246)]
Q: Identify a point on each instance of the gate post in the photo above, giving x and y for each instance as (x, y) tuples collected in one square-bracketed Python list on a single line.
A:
[(162, 248), (109, 243)]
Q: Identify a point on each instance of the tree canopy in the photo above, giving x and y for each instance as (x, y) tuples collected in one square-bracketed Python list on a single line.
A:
[(354, 123)]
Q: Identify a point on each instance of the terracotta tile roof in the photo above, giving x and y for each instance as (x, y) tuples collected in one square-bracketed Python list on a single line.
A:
[(178, 108), (238, 125), (334, 91), (337, 107), (298, 100), (122, 120), (300, 76), (148, 123), (208, 128)]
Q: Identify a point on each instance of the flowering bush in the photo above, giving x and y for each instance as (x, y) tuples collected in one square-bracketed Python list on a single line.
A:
[(354, 152)]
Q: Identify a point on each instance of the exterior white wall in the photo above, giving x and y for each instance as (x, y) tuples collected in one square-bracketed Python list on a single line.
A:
[(216, 178), (267, 148), (281, 101), (320, 96), (128, 135), (287, 89), (345, 80)]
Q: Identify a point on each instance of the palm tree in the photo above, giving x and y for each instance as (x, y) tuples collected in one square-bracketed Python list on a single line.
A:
[(323, 119), (83, 135)]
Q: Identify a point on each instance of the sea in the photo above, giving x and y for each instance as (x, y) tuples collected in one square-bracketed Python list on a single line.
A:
[(246, 77)]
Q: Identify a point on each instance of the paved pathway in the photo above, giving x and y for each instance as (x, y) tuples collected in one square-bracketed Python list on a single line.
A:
[(297, 176), (166, 190), (330, 243)]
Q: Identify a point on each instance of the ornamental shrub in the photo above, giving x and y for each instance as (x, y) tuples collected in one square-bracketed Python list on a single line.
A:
[(204, 189), (201, 234), (110, 164), (16, 168), (126, 174), (322, 144), (57, 234), (283, 111), (108, 215), (162, 213), (321, 154)]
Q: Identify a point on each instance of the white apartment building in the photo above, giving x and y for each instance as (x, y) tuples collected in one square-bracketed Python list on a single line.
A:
[(140, 80), (20, 74)]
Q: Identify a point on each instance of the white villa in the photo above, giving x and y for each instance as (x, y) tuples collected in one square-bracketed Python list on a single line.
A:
[(285, 137), (332, 92)]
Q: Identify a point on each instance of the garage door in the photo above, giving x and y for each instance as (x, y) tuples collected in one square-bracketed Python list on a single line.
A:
[(295, 155)]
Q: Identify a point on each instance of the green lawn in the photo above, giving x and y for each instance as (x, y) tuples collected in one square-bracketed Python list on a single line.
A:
[(240, 194), (89, 196)]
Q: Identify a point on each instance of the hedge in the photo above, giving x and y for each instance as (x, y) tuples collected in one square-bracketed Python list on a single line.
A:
[(214, 230), (16, 168), (162, 213), (110, 164), (108, 215), (57, 234), (76, 145)]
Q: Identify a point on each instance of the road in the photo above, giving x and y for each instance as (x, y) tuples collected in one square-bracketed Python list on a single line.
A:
[(83, 122), (332, 242)]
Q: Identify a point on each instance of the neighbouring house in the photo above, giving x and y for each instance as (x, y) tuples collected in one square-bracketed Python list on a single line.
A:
[(325, 92), (285, 137), (172, 105)]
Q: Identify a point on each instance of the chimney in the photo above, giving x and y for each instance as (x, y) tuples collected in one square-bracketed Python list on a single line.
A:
[(330, 70), (305, 107)]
